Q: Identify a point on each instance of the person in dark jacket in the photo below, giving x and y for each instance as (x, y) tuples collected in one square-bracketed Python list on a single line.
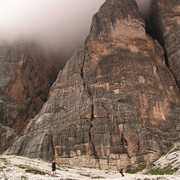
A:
[(121, 171), (53, 168)]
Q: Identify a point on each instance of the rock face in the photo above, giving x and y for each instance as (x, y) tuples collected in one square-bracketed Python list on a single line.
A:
[(7, 137), (114, 104), (26, 75), (166, 16)]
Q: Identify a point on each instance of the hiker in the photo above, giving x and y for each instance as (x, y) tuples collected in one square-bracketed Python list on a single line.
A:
[(121, 171), (53, 168)]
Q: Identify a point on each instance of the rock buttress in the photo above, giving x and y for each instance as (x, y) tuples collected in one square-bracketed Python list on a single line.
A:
[(115, 103), (166, 18), (26, 75)]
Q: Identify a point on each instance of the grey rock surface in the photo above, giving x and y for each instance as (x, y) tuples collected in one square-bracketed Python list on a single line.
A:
[(166, 16), (7, 137), (26, 75), (115, 104)]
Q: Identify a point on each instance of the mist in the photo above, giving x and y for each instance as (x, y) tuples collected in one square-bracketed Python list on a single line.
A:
[(56, 23), (144, 7), (53, 23)]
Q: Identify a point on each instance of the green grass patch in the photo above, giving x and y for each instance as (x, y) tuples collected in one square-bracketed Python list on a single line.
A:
[(5, 161), (98, 177), (35, 171), (175, 150), (86, 175), (23, 178), (61, 169), (22, 167), (136, 170), (164, 171)]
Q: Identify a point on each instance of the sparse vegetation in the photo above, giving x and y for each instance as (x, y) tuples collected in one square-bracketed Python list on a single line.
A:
[(22, 167), (86, 175), (89, 175), (175, 150), (166, 170), (62, 169), (98, 177), (35, 171), (136, 170), (23, 178), (5, 161)]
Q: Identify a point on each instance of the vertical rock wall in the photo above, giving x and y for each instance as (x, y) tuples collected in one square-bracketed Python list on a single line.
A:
[(114, 104), (166, 17), (26, 75)]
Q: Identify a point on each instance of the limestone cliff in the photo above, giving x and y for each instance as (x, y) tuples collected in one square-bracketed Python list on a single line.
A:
[(26, 75), (166, 18), (114, 104)]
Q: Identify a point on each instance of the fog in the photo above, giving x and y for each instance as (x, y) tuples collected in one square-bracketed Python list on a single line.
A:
[(144, 7), (61, 23), (56, 23)]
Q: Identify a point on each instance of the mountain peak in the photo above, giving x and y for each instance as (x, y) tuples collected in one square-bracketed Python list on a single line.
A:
[(113, 103)]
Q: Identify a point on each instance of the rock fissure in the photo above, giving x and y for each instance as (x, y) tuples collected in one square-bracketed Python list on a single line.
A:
[(91, 136), (82, 76), (138, 138), (92, 110), (54, 146), (153, 30), (113, 75), (165, 24), (168, 65)]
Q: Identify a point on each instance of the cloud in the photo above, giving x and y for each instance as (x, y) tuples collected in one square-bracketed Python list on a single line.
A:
[(57, 23), (144, 7), (54, 22)]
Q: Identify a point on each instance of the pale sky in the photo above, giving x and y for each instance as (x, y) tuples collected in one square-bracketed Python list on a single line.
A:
[(52, 21), (144, 6), (61, 23)]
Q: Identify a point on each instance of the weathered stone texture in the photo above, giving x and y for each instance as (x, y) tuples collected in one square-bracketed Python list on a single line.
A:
[(115, 103), (7, 137), (166, 17), (26, 75)]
